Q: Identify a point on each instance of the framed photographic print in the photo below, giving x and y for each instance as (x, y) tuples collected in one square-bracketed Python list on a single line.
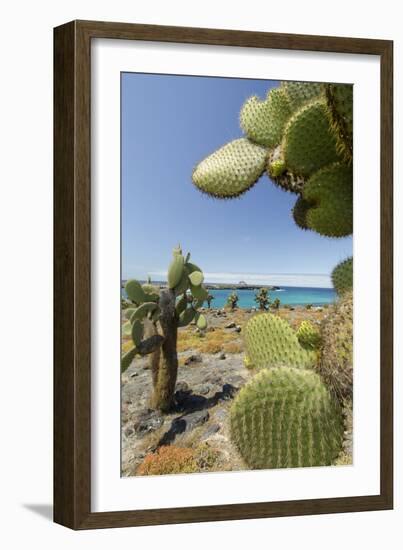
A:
[(223, 275)]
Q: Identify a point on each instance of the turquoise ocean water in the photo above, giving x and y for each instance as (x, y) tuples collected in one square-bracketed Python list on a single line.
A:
[(291, 295)]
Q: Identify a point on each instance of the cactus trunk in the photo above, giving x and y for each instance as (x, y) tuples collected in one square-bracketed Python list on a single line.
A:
[(164, 362)]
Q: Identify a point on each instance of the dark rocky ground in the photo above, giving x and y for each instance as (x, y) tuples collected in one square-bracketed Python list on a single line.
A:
[(207, 383)]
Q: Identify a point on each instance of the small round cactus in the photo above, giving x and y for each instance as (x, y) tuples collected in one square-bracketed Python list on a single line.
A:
[(286, 418)]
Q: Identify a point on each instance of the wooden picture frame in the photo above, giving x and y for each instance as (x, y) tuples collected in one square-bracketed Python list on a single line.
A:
[(72, 273)]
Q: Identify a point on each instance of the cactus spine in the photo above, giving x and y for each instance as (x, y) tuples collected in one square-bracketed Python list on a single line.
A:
[(153, 325), (286, 418)]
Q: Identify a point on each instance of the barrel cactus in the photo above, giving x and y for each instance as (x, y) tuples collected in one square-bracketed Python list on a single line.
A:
[(342, 276), (271, 342), (153, 323), (286, 418), (336, 358)]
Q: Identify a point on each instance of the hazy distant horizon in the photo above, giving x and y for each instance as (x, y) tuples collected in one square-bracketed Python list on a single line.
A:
[(308, 280)]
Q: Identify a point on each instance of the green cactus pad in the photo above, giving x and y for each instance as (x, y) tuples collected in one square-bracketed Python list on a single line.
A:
[(175, 270), (231, 170), (152, 292), (143, 310), (308, 336), (196, 278), (271, 342), (129, 312), (137, 332), (181, 305), (336, 362), (309, 143), (286, 418), (340, 109), (264, 121), (127, 358), (342, 276), (135, 292), (300, 93), (186, 317), (201, 322), (300, 211), (127, 329), (199, 292), (330, 192)]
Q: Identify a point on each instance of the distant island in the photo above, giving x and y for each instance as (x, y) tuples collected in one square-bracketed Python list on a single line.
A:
[(222, 286)]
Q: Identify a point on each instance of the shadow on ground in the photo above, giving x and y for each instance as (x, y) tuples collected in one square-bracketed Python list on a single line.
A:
[(44, 510)]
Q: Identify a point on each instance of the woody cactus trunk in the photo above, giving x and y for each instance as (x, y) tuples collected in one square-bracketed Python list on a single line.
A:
[(154, 321)]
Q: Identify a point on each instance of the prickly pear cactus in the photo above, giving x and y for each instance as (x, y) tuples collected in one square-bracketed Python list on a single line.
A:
[(286, 418), (271, 342), (329, 192), (153, 324), (231, 170), (342, 276), (308, 336), (336, 358), (302, 134)]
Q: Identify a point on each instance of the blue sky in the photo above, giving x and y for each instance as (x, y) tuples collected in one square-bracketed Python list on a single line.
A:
[(169, 124)]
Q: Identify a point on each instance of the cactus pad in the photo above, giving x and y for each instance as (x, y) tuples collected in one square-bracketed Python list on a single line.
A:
[(336, 362), (264, 121), (286, 418), (300, 93), (342, 276), (340, 109), (330, 192), (308, 336), (271, 342), (309, 143), (231, 170), (300, 211)]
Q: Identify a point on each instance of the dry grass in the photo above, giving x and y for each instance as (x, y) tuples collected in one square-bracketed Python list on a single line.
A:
[(212, 342)]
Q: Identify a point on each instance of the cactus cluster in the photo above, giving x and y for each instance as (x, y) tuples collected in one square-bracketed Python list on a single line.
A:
[(286, 418), (153, 323), (301, 135), (342, 276), (336, 357), (271, 342)]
